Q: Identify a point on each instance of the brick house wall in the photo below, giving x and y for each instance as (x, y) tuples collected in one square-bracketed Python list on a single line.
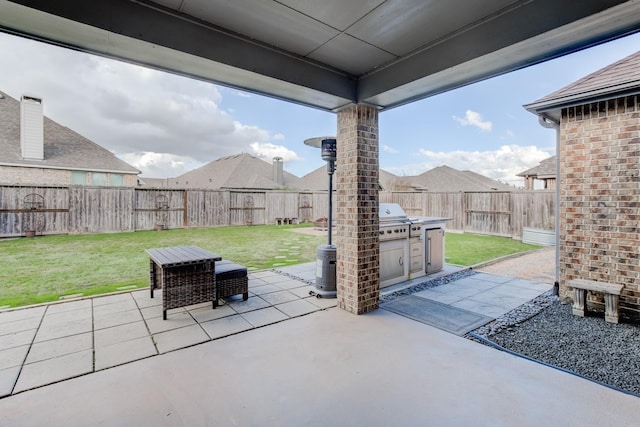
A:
[(29, 176), (17, 175), (600, 197)]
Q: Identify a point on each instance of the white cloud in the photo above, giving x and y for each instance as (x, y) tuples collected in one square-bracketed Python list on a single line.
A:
[(508, 134), (130, 110), (278, 137), (159, 165), (502, 164), (473, 118), (389, 149), (267, 151)]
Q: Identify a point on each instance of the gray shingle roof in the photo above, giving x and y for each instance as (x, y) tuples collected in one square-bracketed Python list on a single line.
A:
[(615, 80), (249, 172), (319, 180), (440, 179), (63, 148), (237, 171), (448, 179), (546, 169)]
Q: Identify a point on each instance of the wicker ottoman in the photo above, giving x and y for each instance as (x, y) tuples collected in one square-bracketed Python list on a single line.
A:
[(231, 279)]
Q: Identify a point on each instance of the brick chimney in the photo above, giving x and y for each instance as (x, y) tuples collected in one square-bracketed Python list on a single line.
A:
[(31, 128), (278, 174)]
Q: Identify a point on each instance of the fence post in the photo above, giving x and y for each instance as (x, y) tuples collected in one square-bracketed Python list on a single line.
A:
[(185, 213)]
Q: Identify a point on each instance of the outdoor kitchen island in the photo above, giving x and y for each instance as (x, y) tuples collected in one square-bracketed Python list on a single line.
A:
[(410, 247)]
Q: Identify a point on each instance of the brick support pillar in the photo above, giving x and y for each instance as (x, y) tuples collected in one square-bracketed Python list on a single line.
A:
[(358, 275)]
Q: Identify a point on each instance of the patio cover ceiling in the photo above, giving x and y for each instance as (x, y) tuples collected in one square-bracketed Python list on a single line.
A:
[(332, 53)]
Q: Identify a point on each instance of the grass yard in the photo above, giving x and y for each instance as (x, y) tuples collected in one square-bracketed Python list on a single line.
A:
[(471, 249), (47, 268)]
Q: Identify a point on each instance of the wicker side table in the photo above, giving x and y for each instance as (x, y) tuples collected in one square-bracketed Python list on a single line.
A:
[(186, 275)]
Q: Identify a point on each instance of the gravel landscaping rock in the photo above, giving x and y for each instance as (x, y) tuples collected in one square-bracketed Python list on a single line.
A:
[(589, 346), (427, 284)]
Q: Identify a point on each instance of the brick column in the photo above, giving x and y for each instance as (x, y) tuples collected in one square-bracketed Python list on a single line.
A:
[(358, 275)]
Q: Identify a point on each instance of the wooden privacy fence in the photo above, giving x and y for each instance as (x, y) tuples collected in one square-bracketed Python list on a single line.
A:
[(82, 209), (495, 213)]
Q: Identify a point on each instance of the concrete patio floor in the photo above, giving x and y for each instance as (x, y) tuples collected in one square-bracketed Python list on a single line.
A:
[(321, 366), (53, 342)]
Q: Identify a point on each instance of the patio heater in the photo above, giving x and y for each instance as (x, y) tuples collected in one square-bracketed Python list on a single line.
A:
[(326, 254)]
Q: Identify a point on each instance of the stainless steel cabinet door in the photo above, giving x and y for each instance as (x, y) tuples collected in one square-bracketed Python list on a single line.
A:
[(434, 250)]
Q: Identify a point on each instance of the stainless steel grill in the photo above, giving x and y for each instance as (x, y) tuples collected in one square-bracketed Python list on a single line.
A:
[(394, 223), (409, 247)]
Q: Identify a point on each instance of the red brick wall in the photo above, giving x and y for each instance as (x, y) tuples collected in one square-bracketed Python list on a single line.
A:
[(358, 276), (600, 197)]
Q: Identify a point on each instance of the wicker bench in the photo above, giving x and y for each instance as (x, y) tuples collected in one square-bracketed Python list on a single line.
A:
[(231, 279), (611, 293)]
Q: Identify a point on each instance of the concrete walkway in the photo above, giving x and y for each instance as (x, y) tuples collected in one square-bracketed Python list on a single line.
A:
[(321, 366)]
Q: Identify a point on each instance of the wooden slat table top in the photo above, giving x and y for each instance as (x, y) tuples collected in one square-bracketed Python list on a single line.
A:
[(174, 256)]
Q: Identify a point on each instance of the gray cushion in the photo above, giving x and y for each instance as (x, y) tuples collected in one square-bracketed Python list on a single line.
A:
[(229, 270)]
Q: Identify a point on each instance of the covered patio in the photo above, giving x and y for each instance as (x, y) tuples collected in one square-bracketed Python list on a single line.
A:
[(356, 59), (328, 367), (48, 343)]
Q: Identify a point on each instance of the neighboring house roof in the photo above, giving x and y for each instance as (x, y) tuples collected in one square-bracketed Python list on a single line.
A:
[(315, 180), (237, 171), (618, 79), (248, 172), (63, 148), (546, 169), (319, 180), (447, 179), (392, 182), (154, 182)]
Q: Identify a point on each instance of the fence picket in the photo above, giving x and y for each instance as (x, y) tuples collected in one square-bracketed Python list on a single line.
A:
[(81, 209)]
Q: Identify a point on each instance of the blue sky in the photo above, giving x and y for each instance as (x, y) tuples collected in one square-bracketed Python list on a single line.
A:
[(166, 125)]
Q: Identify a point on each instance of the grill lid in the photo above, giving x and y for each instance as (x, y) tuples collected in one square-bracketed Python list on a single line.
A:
[(389, 212)]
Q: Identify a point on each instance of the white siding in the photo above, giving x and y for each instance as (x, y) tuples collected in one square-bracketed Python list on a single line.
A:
[(31, 128)]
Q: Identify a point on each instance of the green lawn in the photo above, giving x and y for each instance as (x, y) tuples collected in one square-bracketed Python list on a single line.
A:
[(471, 249), (46, 268)]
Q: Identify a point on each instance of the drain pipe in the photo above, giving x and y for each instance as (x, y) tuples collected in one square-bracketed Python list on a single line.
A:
[(552, 124)]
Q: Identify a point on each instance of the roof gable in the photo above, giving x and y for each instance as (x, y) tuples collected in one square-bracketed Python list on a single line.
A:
[(236, 171), (546, 169), (63, 147), (615, 80), (448, 179)]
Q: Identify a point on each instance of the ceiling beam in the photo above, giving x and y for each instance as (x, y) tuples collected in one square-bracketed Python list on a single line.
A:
[(525, 35), (124, 29)]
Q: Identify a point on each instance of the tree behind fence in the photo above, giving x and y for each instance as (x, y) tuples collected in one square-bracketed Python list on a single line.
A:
[(81, 209)]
